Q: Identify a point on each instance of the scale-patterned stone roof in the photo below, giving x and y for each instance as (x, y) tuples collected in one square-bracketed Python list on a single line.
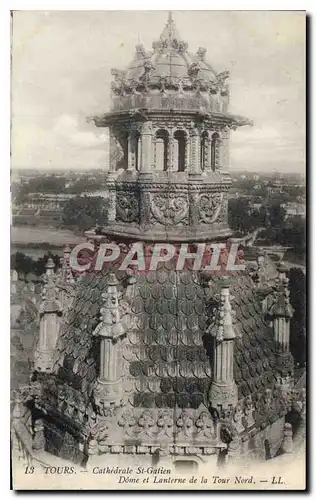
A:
[(168, 352)]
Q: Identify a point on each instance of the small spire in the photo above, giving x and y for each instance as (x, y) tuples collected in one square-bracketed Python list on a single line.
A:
[(282, 305), (225, 330), (67, 252), (65, 272), (170, 31), (282, 269), (50, 267), (50, 294), (111, 325), (50, 309)]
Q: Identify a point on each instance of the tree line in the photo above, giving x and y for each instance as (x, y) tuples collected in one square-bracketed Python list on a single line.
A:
[(275, 227), (24, 264), (52, 184)]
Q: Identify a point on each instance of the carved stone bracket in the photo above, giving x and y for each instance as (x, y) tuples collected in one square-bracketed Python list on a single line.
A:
[(223, 400)]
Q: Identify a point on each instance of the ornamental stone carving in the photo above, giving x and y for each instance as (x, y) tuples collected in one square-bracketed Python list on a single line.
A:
[(221, 395), (209, 207), (248, 412), (112, 205), (222, 216), (164, 424), (205, 425), (222, 81), (185, 424), (169, 208), (127, 207), (237, 419)]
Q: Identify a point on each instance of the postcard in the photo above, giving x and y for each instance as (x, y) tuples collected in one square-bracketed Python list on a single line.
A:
[(158, 250)]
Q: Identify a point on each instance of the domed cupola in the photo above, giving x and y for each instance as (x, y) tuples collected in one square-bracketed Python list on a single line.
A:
[(170, 76), (169, 145)]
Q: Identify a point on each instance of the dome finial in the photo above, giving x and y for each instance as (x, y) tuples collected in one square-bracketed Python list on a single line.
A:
[(170, 31)]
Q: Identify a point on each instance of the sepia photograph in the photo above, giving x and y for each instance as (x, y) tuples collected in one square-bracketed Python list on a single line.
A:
[(158, 250)]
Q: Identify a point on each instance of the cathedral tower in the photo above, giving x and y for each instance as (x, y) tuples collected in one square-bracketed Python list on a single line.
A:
[(170, 364), (169, 145)]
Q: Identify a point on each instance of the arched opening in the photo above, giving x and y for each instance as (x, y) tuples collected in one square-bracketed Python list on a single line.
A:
[(137, 151), (294, 418), (121, 151), (214, 148), (161, 152), (124, 144), (204, 150), (267, 449), (186, 466), (179, 150)]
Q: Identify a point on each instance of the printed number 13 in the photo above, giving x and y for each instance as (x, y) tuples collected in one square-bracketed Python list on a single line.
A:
[(29, 470)]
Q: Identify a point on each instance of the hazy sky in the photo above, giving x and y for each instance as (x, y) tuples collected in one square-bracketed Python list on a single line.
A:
[(61, 74)]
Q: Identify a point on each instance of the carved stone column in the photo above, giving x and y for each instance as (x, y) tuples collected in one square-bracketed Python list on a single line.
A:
[(208, 162), (115, 321), (195, 148), (112, 197), (66, 272), (282, 312), (187, 154), (287, 443), (223, 392), (112, 152), (224, 155), (145, 179), (146, 146), (50, 312), (132, 150), (193, 205), (66, 280), (172, 160)]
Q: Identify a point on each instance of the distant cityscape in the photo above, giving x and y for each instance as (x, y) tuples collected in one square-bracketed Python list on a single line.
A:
[(54, 189), (174, 339)]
